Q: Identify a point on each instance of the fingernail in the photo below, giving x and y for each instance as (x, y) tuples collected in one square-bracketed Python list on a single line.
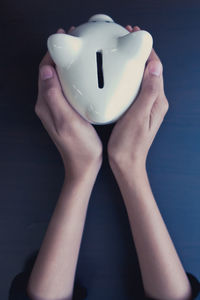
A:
[(155, 68), (46, 72), (136, 28), (129, 27), (60, 30)]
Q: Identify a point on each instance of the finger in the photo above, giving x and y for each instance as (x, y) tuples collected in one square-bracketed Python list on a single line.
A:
[(136, 28), (71, 28), (150, 88), (153, 56), (132, 29), (47, 60), (61, 30), (51, 92), (158, 112), (47, 71), (129, 28)]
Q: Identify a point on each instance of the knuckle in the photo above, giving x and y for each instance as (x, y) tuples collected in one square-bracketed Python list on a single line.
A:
[(165, 105), (37, 109)]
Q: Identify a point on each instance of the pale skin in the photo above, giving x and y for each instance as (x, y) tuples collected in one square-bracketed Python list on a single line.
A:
[(52, 277)]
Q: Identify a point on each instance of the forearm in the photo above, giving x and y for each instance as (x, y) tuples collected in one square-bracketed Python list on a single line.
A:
[(53, 274), (162, 272)]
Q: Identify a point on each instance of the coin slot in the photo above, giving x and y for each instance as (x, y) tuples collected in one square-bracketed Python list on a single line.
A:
[(99, 58)]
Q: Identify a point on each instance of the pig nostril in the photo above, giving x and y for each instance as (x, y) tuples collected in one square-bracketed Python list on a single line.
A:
[(99, 58)]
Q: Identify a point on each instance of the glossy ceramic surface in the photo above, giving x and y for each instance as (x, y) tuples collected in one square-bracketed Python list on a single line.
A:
[(100, 65)]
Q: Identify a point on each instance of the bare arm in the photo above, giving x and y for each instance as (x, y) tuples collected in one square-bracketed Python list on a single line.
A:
[(54, 270), (52, 277), (162, 273)]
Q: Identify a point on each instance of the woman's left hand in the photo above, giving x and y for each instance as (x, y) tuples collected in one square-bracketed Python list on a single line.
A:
[(135, 131)]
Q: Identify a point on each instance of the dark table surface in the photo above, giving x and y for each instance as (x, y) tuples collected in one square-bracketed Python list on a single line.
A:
[(31, 171)]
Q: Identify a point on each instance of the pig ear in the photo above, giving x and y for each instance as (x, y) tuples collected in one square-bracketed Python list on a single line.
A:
[(64, 48), (138, 43)]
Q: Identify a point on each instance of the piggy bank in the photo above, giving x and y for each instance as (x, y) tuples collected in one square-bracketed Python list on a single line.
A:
[(100, 65)]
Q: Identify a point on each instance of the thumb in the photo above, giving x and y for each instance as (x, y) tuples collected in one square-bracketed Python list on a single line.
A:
[(151, 84), (51, 92), (50, 88), (48, 79)]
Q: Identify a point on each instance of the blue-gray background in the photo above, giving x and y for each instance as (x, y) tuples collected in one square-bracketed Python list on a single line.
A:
[(31, 171)]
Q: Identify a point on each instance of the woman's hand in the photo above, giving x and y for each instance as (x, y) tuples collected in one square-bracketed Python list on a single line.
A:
[(162, 272), (54, 270), (75, 138), (134, 132)]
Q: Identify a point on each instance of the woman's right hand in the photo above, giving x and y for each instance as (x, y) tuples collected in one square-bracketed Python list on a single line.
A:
[(75, 138), (135, 131)]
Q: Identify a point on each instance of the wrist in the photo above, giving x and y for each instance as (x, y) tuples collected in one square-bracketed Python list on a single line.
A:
[(132, 179), (81, 185), (82, 174), (132, 173), (126, 166)]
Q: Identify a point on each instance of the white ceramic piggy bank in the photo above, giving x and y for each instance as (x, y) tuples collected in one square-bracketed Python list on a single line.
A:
[(100, 65)]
